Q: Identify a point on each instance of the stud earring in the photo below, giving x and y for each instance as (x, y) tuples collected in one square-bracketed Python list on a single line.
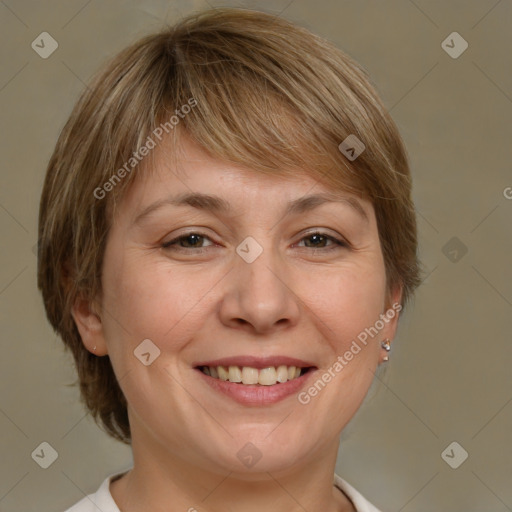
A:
[(94, 349), (386, 345)]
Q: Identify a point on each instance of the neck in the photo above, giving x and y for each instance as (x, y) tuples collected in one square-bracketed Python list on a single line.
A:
[(160, 480)]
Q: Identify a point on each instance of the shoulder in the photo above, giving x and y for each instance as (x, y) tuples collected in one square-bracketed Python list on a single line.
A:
[(361, 504), (100, 501)]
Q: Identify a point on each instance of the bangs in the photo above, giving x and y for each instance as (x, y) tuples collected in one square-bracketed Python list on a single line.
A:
[(251, 109)]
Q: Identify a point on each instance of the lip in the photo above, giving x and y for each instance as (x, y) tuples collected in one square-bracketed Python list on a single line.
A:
[(256, 362), (256, 395)]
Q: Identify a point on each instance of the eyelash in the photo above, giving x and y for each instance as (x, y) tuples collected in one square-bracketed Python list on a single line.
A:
[(168, 245)]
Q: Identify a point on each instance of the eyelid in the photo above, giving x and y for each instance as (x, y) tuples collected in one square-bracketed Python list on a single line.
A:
[(328, 233), (337, 240), (177, 238)]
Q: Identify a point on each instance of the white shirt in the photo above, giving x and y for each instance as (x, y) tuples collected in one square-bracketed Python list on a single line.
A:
[(102, 501)]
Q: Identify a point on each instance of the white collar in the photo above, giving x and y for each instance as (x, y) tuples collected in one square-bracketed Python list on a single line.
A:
[(102, 500)]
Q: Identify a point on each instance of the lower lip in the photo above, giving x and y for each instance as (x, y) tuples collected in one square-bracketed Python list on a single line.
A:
[(257, 395)]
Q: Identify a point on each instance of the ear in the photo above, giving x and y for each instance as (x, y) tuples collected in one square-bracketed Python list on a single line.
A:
[(88, 322)]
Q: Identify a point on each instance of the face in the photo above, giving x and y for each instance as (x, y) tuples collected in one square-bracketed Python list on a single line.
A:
[(254, 285)]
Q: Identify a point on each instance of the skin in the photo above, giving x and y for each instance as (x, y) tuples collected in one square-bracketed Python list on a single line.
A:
[(294, 300)]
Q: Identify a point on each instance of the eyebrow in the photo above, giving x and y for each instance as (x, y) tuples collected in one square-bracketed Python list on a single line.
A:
[(217, 204)]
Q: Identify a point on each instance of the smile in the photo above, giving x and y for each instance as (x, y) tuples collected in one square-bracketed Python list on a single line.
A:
[(253, 376)]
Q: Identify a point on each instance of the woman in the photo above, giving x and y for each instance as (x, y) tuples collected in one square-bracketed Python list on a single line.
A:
[(226, 239)]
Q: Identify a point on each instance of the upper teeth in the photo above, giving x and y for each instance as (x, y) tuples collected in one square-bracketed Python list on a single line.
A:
[(248, 375)]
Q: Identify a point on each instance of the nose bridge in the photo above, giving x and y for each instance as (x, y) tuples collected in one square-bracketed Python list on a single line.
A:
[(258, 271), (259, 294)]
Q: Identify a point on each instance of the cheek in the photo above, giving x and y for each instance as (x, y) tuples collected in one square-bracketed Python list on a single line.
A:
[(348, 301), (154, 300)]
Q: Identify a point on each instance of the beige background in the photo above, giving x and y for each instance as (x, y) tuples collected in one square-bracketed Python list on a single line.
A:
[(449, 378)]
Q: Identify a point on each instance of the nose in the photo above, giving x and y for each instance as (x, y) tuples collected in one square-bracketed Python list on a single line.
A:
[(258, 296)]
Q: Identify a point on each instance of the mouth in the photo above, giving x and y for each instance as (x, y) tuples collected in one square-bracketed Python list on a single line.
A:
[(255, 381), (251, 376), (255, 371)]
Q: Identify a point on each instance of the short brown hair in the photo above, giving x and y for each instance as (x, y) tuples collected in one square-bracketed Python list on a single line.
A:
[(266, 94)]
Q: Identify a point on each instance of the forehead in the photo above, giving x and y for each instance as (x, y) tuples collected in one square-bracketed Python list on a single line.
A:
[(189, 175)]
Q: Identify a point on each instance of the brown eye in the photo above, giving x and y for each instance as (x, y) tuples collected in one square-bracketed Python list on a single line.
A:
[(187, 241), (319, 240)]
